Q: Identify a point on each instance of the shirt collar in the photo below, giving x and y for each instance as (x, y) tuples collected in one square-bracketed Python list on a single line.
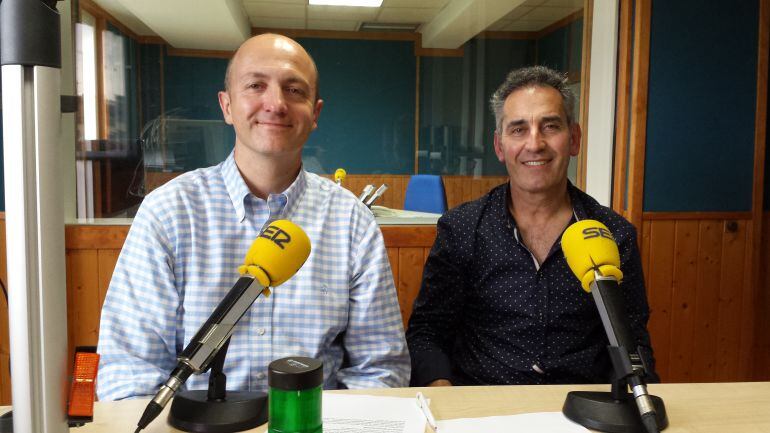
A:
[(239, 191), (578, 207)]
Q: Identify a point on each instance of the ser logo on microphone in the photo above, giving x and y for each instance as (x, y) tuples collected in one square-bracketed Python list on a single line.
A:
[(595, 232), (277, 235)]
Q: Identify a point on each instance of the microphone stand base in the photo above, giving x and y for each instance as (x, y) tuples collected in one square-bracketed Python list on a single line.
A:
[(600, 411), (191, 411)]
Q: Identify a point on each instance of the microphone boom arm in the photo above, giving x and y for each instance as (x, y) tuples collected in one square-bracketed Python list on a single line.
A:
[(215, 332)]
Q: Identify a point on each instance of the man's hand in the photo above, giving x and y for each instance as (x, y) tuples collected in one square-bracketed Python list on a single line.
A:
[(440, 382)]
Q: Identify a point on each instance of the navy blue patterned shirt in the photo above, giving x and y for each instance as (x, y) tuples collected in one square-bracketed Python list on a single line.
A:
[(488, 314)]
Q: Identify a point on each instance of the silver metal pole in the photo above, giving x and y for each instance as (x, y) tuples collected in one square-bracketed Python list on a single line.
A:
[(35, 245)]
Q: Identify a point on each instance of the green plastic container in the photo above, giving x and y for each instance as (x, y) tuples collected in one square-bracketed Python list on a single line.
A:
[(295, 388)]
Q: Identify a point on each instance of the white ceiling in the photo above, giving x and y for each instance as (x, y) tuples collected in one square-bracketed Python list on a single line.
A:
[(223, 24)]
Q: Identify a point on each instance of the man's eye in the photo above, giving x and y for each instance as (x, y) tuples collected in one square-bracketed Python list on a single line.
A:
[(552, 127), (517, 131), (255, 86), (295, 91)]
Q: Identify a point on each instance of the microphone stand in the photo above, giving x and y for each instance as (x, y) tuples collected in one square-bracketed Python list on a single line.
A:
[(617, 411), (215, 410)]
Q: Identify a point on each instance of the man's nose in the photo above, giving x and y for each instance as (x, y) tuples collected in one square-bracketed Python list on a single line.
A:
[(536, 140), (274, 99)]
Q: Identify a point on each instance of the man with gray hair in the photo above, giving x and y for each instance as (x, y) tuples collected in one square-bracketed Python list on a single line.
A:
[(498, 303)]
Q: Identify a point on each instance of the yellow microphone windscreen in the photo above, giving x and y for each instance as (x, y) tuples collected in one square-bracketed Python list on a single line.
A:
[(277, 253), (340, 174), (588, 245)]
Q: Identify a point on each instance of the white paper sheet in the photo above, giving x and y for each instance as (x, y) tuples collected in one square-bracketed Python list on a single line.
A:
[(368, 414), (551, 422)]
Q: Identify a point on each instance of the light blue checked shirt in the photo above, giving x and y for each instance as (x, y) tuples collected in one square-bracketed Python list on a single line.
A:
[(181, 257)]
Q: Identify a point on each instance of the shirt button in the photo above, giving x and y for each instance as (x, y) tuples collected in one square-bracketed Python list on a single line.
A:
[(261, 331), (260, 376)]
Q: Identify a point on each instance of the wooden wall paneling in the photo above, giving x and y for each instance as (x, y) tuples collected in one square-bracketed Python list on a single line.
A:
[(585, 88), (107, 259), (389, 198), (93, 237), (749, 300), (410, 265), (399, 188), (661, 270), (707, 301), (762, 354), (84, 296), (731, 287), (625, 40), (477, 188), (751, 335), (454, 192), (683, 294), (638, 127), (644, 240)]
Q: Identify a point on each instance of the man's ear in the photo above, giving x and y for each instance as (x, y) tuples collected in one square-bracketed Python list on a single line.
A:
[(317, 112), (499, 148), (224, 104)]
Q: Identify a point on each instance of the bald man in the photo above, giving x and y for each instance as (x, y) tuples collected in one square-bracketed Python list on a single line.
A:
[(189, 236)]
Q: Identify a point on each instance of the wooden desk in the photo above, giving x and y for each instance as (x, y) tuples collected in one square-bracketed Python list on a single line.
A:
[(692, 408)]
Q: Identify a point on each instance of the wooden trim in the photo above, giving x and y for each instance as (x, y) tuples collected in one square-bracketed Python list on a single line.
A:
[(339, 34), (416, 236), (638, 138), (185, 52), (103, 112), (417, 115), (139, 114), (507, 35), (561, 23), (438, 52), (749, 309), (585, 85), (435, 52), (157, 40), (97, 11), (653, 216), (162, 82), (625, 40), (91, 237)]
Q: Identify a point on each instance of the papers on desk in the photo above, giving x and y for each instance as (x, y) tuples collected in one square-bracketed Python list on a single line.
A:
[(366, 414), (345, 413), (551, 422), (387, 216)]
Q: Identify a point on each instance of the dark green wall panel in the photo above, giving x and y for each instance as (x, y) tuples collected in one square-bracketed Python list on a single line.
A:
[(367, 122), (702, 96)]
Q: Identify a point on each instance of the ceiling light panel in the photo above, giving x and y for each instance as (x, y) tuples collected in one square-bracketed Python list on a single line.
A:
[(341, 13), (359, 3)]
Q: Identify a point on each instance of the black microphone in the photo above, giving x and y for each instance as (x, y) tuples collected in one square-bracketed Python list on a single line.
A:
[(274, 257), (593, 256)]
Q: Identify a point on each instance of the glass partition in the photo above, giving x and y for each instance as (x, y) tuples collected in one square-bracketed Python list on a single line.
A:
[(393, 106)]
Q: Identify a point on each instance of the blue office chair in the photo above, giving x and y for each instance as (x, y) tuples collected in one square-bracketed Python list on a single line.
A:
[(425, 193)]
